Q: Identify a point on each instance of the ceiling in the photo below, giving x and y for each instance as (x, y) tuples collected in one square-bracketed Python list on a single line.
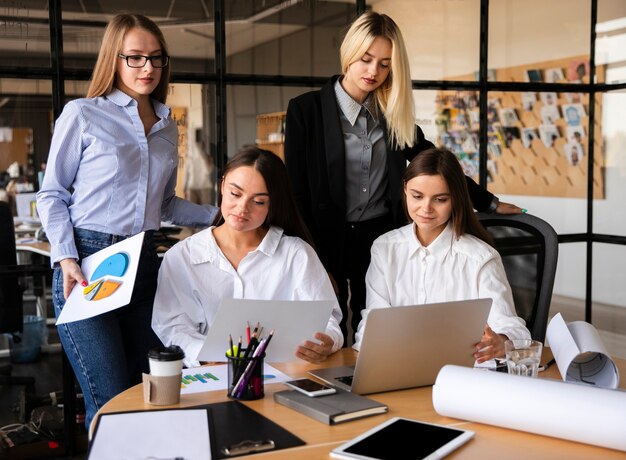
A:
[(188, 25)]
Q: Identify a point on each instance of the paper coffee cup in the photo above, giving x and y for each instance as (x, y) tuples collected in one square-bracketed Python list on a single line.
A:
[(166, 361)]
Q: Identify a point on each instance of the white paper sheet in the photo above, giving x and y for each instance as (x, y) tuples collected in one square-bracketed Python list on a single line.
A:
[(292, 321), (580, 354), (78, 306), (571, 411), (166, 434), (209, 378)]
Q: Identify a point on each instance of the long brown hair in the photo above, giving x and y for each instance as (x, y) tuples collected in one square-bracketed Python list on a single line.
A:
[(283, 211), (104, 76), (433, 162)]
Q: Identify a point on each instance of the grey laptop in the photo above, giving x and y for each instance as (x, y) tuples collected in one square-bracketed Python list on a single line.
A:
[(405, 347)]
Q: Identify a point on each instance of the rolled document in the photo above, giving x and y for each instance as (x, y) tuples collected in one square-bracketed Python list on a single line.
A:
[(571, 411)]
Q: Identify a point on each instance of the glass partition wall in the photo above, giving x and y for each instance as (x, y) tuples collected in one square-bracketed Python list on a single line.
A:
[(530, 95)]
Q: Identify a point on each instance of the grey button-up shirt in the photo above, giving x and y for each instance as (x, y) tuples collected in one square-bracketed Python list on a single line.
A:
[(366, 157)]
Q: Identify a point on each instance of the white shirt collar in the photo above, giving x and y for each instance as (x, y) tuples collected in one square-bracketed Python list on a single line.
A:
[(119, 97), (203, 247), (352, 108), (440, 247)]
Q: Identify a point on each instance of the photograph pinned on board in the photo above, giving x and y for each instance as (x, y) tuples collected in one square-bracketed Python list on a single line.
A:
[(469, 164), (528, 100), (494, 146), (574, 153), (492, 110), (549, 114), (548, 134), (575, 133), (491, 75), (470, 144), (494, 149), (578, 70), (533, 75), (460, 120), (554, 75), (549, 98), (508, 117), (573, 114), (498, 133), (528, 135), (574, 98), (474, 116), (510, 134), (471, 99)]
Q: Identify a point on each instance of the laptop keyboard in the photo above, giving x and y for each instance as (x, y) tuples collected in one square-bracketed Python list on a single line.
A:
[(347, 380)]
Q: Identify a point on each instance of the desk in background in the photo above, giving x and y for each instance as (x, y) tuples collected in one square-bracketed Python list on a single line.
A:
[(416, 403)]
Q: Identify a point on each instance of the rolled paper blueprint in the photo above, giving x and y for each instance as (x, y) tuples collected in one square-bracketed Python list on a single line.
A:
[(571, 411)]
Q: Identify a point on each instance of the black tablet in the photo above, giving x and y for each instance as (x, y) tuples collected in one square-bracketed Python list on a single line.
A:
[(400, 438)]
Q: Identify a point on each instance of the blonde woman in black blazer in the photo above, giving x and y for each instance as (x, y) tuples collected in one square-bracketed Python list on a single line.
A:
[(346, 148)]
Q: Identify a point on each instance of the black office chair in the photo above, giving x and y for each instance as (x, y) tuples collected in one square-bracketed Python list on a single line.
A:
[(11, 291), (529, 249)]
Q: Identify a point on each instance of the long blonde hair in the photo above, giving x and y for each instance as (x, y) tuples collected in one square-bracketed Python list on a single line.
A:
[(394, 96), (104, 76)]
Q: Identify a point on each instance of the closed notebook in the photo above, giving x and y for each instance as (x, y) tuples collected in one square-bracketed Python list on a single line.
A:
[(339, 407)]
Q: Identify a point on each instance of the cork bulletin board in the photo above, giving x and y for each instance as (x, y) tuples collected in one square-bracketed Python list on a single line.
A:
[(537, 142)]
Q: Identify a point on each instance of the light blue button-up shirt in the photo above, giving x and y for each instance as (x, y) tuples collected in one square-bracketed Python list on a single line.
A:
[(105, 174)]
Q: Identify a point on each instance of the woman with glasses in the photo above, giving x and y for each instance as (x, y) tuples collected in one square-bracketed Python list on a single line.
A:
[(111, 174)]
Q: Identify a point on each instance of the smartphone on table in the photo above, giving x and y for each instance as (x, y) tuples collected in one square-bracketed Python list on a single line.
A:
[(310, 387)]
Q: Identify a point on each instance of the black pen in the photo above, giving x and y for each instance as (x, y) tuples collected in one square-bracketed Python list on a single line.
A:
[(547, 365)]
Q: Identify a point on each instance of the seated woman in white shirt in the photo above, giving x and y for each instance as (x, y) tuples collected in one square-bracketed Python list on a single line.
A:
[(260, 251), (443, 255)]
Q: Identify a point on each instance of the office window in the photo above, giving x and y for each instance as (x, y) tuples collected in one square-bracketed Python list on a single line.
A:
[(286, 38), (609, 294), (25, 125), (253, 115), (192, 108), (612, 112), (442, 37), (611, 40), (188, 27), (25, 35), (540, 33)]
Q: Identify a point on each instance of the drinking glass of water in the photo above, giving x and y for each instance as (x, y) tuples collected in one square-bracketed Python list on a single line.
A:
[(523, 356)]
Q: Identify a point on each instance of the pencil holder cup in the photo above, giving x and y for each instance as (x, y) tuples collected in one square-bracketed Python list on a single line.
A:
[(245, 377)]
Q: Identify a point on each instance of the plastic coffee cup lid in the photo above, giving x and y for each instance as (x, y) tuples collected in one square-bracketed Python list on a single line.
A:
[(171, 353)]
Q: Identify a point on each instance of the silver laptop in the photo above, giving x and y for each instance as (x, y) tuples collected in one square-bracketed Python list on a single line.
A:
[(405, 347)]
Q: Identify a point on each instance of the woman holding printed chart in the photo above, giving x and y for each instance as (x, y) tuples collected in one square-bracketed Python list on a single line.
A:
[(260, 251), (443, 255), (111, 174)]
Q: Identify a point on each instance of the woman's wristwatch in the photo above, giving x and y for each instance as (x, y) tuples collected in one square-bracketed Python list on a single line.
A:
[(494, 205)]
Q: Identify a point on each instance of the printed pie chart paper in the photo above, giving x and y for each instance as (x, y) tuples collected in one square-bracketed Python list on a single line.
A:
[(110, 274)]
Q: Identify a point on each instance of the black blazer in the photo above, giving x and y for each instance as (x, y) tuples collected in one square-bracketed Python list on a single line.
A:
[(315, 159)]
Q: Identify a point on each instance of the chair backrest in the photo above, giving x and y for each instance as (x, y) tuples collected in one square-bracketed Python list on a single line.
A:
[(10, 290), (529, 249)]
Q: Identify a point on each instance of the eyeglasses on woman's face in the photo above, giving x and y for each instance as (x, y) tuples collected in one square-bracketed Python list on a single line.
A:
[(136, 61)]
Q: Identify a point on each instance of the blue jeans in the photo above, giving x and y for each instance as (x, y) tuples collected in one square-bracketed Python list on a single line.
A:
[(108, 352)]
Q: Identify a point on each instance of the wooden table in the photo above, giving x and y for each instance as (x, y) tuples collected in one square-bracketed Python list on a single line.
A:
[(489, 442)]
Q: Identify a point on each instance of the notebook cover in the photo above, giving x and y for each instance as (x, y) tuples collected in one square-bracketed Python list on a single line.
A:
[(232, 422), (330, 409)]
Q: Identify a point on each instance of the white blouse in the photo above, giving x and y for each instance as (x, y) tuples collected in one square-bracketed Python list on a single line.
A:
[(195, 276), (402, 272)]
